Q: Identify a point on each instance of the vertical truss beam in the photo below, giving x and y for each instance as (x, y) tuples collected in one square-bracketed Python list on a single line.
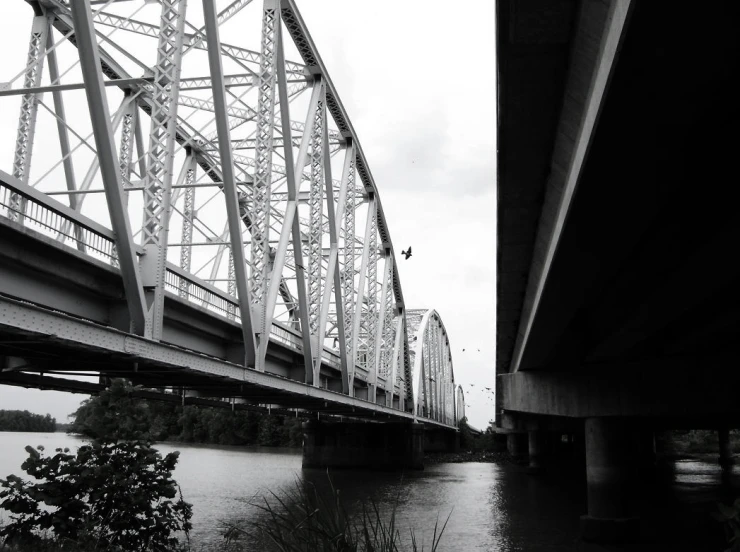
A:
[(260, 214), (335, 222), (126, 149), (69, 174), (360, 299), (316, 230), (371, 319), (160, 158), (231, 287), (188, 214), (98, 106), (348, 253), (29, 110), (227, 169), (291, 230), (394, 373), (380, 346), (388, 332)]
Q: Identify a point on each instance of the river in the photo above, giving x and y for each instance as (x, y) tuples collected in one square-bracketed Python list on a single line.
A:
[(492, 507)]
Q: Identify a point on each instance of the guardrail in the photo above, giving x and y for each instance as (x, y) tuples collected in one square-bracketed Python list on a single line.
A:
[(36, 210)]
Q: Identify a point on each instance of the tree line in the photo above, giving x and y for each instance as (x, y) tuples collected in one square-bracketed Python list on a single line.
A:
[(23, 420), (166, 421)]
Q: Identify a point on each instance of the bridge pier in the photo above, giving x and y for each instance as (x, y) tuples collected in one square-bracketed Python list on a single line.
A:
[(516, 446), (376, 446), (537, 441), (611, 475)]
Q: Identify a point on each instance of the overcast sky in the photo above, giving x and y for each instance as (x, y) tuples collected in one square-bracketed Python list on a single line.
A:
[(418, 80)]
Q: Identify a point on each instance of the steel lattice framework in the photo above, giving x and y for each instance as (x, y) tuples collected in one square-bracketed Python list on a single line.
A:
[(221, 146)]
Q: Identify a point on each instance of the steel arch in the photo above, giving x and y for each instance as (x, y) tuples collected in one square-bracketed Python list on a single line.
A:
[(433, 376)]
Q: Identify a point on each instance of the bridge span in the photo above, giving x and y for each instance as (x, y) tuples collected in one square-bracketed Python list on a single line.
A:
[(262, 274)]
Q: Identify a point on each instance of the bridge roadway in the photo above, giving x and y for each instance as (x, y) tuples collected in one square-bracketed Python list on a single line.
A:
[(63, 312)]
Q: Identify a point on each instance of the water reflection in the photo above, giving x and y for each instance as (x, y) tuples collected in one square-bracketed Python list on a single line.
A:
[(494, 507)]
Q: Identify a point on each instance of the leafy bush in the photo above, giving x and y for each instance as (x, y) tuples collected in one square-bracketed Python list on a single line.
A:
[(116, 493)]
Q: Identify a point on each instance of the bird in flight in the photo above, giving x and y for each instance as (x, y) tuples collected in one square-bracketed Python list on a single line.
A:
[(463, 350), (406, 254)]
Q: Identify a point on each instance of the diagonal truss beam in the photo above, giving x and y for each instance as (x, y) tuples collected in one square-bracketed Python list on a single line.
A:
[(230, 191), (98, 106)]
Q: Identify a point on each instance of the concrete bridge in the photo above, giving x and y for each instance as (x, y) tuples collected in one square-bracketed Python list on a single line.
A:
[(256, 280), (618, 305)]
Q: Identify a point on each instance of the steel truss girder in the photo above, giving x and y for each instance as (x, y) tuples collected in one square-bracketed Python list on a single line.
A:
[(29, 109), (190, 40), (188, 214), (230, 190), (290, 231), (357, 317), (315, 228), (348, 250), (260, 209), (333, 274), (380, 345), (90, 64), (371, 314), (160, 158)]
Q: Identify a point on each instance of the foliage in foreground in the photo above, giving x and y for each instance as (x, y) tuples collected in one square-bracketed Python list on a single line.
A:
[(303, 519), (116, 493)]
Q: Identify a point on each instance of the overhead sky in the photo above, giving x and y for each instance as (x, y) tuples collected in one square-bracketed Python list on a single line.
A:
[(417, 78)]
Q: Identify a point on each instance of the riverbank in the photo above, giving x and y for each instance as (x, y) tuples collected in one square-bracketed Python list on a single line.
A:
[(466, 456)]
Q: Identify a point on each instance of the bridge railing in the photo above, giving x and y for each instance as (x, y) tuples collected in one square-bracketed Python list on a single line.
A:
[(72, 229), (54, 219)]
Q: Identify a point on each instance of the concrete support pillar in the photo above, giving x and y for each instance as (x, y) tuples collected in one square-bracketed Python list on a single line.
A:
[(377, 446), (516, 445), (725, 450), (611, 480), (537, 441)]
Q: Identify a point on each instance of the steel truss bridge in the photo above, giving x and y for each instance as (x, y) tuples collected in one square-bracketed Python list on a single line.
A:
[(262, 274)]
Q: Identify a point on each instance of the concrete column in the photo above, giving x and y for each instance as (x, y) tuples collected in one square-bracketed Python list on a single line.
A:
[(516, 445), (611, 477), (725, 451), (537, 441)]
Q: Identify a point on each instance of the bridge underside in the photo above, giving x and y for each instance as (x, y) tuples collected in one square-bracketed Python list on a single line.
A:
[(618, 304), (638, 310), (50, 342)]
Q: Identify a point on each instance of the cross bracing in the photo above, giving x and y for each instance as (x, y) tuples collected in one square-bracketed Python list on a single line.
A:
[(211, 150)]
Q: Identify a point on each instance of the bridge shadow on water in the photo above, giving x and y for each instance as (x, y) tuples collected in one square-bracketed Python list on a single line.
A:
[(502, 507)]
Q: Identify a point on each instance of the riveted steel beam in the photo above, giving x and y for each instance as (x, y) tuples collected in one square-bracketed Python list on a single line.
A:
[(230, 191), (98, 106)]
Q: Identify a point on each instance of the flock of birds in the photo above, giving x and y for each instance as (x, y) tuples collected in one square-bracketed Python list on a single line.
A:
[(489, 396)]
